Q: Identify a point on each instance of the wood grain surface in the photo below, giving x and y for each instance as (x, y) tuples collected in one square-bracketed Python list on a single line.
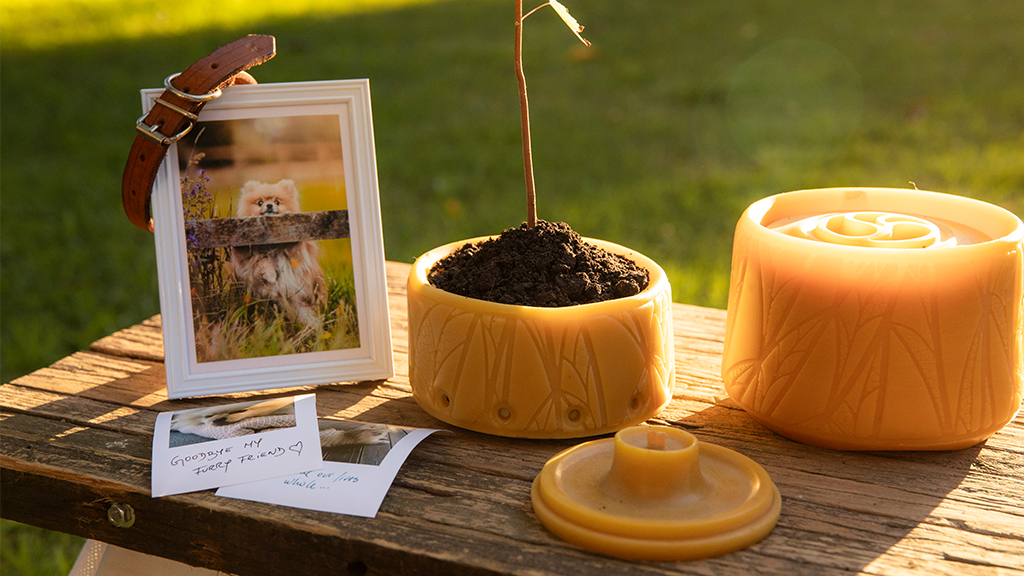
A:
[(76, 437)]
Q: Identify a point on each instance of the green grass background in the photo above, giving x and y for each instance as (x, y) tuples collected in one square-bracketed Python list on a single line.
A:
[(681, 115)]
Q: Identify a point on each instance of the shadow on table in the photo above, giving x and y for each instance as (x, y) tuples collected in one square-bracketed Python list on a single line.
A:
[(843, 509)]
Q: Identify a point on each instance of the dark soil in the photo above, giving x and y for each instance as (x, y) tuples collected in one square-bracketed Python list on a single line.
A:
[(549, 265)]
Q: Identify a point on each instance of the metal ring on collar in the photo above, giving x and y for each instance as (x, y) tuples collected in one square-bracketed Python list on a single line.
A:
[(190, 97)]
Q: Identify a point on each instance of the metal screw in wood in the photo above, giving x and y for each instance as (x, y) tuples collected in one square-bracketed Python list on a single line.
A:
[(121, 515)]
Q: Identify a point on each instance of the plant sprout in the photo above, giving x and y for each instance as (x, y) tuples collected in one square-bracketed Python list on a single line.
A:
[(524, 109)]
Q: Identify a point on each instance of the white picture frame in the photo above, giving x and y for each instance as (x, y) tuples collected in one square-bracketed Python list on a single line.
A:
[(252, 322)]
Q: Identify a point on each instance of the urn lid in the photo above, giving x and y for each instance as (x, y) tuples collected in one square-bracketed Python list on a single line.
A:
[(656, 493)]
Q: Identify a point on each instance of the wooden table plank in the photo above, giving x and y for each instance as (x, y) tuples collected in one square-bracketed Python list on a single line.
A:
[(76, 436)]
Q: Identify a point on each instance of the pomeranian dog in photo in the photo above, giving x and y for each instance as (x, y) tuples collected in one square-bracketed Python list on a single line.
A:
[(287, 274)]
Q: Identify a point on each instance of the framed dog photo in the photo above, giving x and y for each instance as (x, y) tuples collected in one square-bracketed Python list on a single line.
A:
[(269, 248)]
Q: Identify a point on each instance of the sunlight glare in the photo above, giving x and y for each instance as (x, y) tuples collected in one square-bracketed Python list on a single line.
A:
[(45, 24)]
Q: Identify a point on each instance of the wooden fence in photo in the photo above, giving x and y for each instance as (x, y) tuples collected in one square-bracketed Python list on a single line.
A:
[(260, 230)]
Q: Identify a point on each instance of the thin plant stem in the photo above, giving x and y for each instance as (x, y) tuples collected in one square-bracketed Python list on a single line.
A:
[(524, 111), (535, 9)]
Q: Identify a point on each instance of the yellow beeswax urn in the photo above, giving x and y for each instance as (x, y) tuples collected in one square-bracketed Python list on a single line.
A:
[(537, 372), (877, 319)]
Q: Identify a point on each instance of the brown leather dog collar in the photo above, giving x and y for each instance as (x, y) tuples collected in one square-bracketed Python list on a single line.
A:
[(176, 111)]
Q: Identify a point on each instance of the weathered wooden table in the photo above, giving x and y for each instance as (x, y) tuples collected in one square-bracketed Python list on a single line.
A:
[(77, 435)]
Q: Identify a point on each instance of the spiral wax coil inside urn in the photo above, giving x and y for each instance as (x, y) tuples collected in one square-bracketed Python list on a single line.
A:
[(877, 319), (656, 493)]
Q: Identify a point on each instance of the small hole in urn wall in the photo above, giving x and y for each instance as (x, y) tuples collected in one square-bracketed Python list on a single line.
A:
[(574, 415), (445, 400), (504, 413), (357, 568), (634, 403)]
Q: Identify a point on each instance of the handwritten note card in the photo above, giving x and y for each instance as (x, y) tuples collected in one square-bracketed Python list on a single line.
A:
[(222, 445), (360, 463)]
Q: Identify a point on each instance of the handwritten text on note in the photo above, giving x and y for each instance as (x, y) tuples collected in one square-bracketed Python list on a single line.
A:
[(218, 446), (360, 462)]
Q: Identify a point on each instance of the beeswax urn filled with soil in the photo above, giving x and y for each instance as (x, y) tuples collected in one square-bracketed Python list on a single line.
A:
[(539, 333), (591, 354)]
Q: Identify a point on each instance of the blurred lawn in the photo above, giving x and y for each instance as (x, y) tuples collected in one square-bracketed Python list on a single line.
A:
[(681, 115), (30, 551)]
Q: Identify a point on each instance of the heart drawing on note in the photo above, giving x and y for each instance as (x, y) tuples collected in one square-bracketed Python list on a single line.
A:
[(297, 447)]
